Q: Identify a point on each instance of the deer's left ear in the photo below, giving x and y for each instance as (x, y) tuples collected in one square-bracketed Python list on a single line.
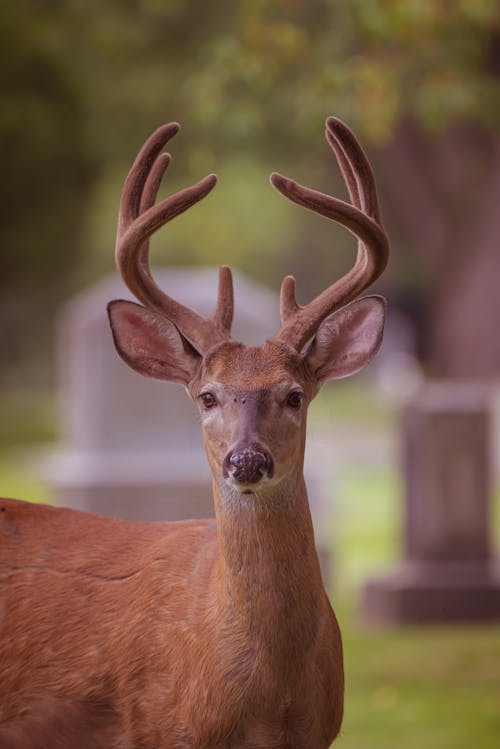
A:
[(348, 339)]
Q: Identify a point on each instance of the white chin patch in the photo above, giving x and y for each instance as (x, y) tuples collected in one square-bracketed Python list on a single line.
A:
[(243, 488), (238, 486)]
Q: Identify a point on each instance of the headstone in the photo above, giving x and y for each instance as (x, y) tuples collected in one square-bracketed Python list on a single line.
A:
[(132, 446), (448, 572)]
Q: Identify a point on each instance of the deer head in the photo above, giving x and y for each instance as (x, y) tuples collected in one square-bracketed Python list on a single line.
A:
[(252, 400)]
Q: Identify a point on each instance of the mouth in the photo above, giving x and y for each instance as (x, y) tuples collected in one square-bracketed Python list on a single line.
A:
[(244, 487)]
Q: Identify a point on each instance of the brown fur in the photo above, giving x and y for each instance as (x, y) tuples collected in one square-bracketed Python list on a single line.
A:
[(189, 634)]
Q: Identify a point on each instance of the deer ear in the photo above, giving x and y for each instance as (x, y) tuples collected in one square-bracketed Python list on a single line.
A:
[(151, 344), (348, 339)]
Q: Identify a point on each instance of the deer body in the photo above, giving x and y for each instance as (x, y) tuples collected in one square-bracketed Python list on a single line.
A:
[(153, 639), (196, 634)]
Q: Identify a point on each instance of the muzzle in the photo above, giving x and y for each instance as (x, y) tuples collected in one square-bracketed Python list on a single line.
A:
[(248, 464)]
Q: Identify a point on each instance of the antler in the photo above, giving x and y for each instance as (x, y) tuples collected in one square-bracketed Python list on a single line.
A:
[(139, 218), (362, 218)]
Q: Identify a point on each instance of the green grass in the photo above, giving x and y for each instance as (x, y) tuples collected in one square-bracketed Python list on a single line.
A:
[(428, 687), (26, 418), (27, 422), (19, 481), (432, 687), (367, 522), (352, 403)]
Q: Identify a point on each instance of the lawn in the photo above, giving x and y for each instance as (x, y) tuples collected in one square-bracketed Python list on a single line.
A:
[(434, 687)]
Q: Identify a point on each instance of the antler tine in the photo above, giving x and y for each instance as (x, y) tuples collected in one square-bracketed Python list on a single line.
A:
[(345, 165), (133, 187), (139, 218), (223, 315), (148, 198), (288, 304), (362, 218), (355, 167)]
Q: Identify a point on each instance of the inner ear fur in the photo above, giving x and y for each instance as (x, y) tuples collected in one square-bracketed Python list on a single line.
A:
[(348, 339), (150, 344)]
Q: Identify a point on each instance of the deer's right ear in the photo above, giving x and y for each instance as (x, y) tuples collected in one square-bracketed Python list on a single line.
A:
[(151, 344)]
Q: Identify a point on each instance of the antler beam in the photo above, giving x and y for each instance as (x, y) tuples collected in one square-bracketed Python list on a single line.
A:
[(140, 217), (362, 218)]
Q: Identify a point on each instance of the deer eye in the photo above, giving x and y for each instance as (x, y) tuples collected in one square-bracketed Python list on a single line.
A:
[(294, 399), (208, 400)]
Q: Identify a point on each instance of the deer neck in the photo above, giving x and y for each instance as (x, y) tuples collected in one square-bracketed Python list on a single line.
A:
[(269, 576)]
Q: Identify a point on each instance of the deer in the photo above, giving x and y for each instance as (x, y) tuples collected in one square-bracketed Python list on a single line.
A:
[(197, 634)]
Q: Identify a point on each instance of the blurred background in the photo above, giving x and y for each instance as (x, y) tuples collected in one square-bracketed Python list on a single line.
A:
[(83, 84)]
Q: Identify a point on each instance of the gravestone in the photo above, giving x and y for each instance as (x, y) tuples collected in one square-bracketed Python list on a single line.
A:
[(449, 572), (132, 446)]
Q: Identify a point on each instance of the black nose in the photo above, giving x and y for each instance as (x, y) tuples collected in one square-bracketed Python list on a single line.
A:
[(248, 464)]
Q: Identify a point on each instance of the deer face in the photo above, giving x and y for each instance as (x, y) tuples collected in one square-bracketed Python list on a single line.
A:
[(252, 400), (252, 403)]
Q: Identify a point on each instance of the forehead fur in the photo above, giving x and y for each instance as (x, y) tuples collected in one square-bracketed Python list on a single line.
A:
[(251, 367)]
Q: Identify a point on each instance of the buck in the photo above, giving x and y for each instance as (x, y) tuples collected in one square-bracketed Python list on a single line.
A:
[(210, 633)]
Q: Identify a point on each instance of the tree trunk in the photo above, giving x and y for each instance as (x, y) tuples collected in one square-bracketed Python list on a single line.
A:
[(444, 196)]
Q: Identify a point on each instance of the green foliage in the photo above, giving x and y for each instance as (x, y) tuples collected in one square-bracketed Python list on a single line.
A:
[(47, 175), (245, 77), (43, 155), (247, 72), (83, 82), (435, 56)]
